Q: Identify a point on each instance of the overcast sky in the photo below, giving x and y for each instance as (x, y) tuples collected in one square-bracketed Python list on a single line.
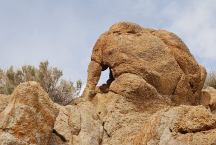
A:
[(64, 31)]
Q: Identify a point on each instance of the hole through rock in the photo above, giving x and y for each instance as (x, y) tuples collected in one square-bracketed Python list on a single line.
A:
[(104, 77)]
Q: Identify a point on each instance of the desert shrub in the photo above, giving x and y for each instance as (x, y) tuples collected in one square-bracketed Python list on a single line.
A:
[(211, 80), (60, 91)]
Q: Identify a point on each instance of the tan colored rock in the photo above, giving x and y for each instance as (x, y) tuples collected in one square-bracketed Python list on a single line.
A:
[(29, 117), (112, 119), (122, 116), (178, 126), (4, 99), (208, 97), (151, 71), (68, 122), (158, 57), (79, 124)]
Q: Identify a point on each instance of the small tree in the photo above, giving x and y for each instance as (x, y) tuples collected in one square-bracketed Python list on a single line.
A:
[(60, 91)]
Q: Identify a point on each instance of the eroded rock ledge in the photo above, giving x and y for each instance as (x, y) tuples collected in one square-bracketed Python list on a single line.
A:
[(152, 96)]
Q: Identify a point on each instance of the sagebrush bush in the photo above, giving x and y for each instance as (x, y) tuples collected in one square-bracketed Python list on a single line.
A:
[(60, 91), (211, 80)]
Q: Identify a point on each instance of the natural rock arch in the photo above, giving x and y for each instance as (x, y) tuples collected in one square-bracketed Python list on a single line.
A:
[(158, 57)]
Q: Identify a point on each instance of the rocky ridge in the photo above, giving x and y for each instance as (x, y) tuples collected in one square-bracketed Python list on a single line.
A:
[(153, 96)]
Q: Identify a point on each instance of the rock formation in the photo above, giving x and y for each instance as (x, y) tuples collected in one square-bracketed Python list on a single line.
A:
[(183, 125), (155, 60), (28, 118), (153, 97)]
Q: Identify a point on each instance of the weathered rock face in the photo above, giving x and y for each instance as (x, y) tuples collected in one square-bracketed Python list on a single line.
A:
[(157, 57), (150, 70), (178, 126), (125, 122), (79, 125), (123, 117), (28, 118), (151, 73)]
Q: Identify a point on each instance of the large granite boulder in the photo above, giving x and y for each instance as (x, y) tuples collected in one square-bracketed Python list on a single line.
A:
[(29, 117), (158, 58)]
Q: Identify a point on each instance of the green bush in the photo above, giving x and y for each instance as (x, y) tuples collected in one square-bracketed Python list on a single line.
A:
[(60, 91)]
